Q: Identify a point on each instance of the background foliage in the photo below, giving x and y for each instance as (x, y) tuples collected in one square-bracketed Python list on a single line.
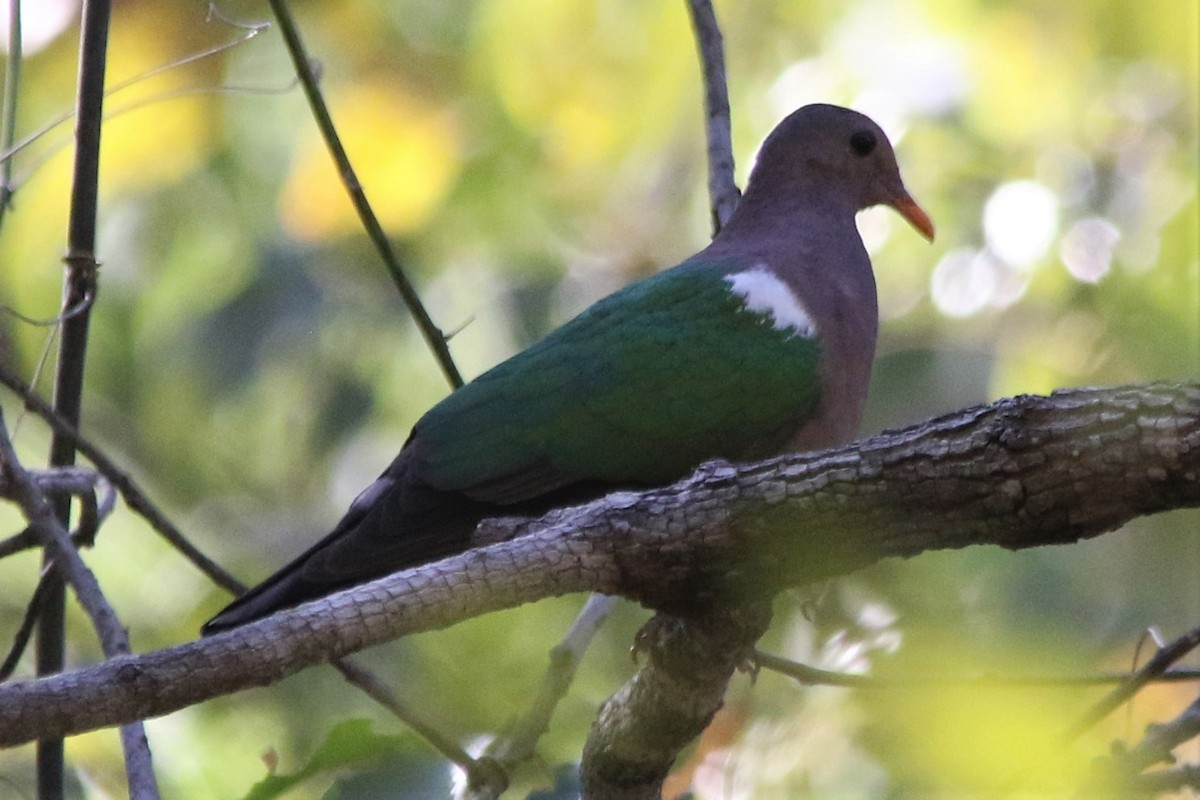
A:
[(252, 364)]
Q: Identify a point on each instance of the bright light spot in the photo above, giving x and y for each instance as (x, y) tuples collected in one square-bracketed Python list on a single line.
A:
[(41, 22), (874, 226), (963, 282), (801, 83), (887, 47), (1019, 222), (876, 616), (458, 776), (1087, 248)]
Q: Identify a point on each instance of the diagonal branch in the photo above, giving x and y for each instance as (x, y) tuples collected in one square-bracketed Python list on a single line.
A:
[(517, 744), (434, 338), (806, 675), (1019, 473), (1162, 660), (22, 488), (130, 492)]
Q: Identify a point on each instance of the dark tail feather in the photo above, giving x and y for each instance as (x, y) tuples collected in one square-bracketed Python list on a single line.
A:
[(395, 523), (285, 589)]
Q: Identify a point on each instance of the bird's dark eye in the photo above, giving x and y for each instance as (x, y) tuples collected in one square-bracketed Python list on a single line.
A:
[(862, 142)]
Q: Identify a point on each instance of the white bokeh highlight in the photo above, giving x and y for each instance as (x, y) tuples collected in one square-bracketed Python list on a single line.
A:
[(41, 22), (1020, 221), (1087, 248)]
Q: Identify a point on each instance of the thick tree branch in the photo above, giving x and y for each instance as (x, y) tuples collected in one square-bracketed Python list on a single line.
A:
[(643, 727), (1020, 473)]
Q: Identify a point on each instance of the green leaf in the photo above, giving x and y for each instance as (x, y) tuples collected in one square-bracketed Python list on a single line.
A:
[(350, 744)]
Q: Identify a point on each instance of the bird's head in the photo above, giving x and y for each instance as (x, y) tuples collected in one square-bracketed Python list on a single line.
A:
[(838, 152)]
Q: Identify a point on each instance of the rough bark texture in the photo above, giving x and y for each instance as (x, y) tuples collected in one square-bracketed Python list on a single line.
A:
[(669, 702), (1020, 473)]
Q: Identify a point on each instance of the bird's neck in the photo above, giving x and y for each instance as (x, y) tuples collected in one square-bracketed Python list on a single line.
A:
[(772, 219)]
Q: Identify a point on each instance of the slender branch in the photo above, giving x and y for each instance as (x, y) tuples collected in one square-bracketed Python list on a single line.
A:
[(1162, 782), (8, 110), (250, 31), (1156, 666), (814, 676), (1156, 746), (80, 285), (1043, 470), (24, 632), (21, 486), (1121, 774), (433, 336), (722, 190), (516, 746), (378, 691), (76, 481)]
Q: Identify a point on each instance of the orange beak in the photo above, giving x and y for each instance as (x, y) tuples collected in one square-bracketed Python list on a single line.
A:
[(915, 215)]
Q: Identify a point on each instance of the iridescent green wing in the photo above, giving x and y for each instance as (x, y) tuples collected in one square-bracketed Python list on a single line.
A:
[(637, 390)]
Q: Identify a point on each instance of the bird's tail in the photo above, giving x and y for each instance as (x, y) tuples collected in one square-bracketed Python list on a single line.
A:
[(395, 523)]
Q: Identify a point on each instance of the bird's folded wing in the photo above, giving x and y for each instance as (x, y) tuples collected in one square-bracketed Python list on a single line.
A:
[(638, 390)]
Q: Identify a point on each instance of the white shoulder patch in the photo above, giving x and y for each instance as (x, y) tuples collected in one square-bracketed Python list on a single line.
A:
[(765, 293)]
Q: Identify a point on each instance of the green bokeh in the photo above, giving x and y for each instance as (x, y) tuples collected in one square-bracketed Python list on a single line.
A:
[(252, 365)]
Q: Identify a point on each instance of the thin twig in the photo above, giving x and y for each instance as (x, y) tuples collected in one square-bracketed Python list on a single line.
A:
[(8, 114), (517, 746), (12, 148), (433, 336), (722, 190), (28, 539), (814, 676), (22, 489), (130, 492), (366, 681), (24, 630), (1156, 666), (1160, 739), (69, 479), (43, 519), (1164, 781), (1133, 683), (1121, 774)]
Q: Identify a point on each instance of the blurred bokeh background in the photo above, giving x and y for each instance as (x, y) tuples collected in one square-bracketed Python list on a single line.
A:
[(253, 366)]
